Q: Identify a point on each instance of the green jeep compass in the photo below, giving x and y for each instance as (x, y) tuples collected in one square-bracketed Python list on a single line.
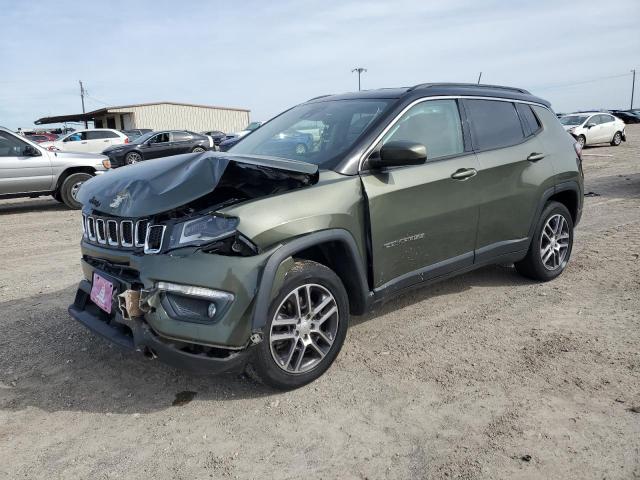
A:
[(255, 258)]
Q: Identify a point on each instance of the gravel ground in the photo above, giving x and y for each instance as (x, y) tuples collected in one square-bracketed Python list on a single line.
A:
[(484, 376)]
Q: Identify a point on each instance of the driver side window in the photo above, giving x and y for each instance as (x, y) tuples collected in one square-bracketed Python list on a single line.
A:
[(160, 138), (435, 124), (11, 146)]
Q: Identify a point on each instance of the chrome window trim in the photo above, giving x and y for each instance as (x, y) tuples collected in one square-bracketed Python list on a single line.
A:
[(135, 233), (146, 240), (101, 240), (108, 233), (91, 222), (122, 242), (395, 120)]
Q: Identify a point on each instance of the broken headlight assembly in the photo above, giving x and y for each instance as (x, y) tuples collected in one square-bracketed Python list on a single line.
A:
[(214, 233)]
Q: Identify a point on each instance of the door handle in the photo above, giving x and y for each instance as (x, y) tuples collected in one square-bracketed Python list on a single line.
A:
[(83, 143), (464, 173), (106, 141), (534, 157)]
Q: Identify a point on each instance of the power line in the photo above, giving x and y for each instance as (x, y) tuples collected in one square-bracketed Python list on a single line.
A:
[(563, 85)]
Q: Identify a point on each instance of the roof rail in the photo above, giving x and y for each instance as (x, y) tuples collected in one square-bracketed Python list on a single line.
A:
[(470, 85), (319, 96)]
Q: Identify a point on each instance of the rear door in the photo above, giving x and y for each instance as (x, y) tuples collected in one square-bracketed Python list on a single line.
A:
[(182, 142), (513, 173), (608, 127), (20, 173), (98, 140), (423, 222)]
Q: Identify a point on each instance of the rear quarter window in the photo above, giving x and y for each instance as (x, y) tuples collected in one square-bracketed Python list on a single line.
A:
[(530, 122), (494, 124)]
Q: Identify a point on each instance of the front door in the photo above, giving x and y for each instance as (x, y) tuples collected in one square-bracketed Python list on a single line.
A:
[(20, 173), (158, 146), (423, 220)]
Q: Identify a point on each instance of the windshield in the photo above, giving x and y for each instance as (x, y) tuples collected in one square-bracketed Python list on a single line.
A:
[(318, 133), (573, 119)]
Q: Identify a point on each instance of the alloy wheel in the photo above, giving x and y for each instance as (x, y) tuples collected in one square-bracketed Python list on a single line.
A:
[(304, 328), (198, 150), (617, 139), (75, 188), (133, 158), (554, 242)]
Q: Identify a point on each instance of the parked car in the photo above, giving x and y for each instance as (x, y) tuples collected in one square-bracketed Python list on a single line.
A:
[(594, 127), (156, 145), (233, 138), (626, 116), (29, 170), (42, 137), (219, 262), (217, 136), (135, 133), (92, 141)]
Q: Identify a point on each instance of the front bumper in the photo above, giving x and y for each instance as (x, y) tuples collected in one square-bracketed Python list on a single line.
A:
[(136, 335)]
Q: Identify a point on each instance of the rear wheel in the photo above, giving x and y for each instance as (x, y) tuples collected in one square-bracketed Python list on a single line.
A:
[(617, 139), (301, 149), (69, 190), (308, 322), (551, 244), (198, 150)]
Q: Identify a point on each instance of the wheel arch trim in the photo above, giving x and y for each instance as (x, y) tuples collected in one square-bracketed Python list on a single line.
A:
[(289, 249)]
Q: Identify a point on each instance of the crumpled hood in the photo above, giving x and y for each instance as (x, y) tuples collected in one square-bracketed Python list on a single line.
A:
[(156, 186)]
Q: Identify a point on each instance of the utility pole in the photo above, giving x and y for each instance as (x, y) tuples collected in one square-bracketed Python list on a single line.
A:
[(360, 71), (479, 77), (633, 87), (82, 94)]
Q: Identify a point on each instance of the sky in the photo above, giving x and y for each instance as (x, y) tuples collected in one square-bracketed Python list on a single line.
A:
[(268, 56)]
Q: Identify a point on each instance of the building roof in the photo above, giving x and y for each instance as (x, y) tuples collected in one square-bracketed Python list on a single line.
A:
[(79, 117)]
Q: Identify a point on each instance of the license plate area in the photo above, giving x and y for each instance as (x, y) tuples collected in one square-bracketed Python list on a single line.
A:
[(102, 291)]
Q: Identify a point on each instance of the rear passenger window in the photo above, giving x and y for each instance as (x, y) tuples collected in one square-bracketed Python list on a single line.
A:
[(494, 124), (435, 124), (530, 122)]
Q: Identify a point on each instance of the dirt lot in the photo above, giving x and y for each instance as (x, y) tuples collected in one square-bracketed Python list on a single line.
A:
[(484, 376)]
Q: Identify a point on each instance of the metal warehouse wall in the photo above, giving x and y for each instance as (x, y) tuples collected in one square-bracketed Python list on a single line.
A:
[(198, 119)]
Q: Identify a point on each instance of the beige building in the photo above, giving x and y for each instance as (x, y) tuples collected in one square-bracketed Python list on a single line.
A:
[(161, 116)]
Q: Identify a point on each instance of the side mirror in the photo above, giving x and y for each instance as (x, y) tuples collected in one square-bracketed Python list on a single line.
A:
[(30, 151), (397, 154), (590, 124)]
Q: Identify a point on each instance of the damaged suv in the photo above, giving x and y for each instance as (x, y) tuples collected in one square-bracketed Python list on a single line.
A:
[(255, 258)]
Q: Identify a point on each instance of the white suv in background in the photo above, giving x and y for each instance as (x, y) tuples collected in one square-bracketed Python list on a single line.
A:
[(91, 141), (594, 127)]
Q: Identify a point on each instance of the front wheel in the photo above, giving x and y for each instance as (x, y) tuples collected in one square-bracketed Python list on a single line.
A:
[(551, 245), (617, 139), (132, 157), (69, 190), (582, 141), (307, 326), (198, 150)]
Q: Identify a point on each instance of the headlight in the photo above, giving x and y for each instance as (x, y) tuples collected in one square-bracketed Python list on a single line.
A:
[(202, 230)]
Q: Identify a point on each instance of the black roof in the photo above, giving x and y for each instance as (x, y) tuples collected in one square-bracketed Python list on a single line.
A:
[(440, 89)]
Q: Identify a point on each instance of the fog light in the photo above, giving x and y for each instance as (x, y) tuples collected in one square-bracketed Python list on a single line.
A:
[(211, 311)]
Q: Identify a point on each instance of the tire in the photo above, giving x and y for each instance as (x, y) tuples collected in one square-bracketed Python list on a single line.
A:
[(56, 196), (132, 157), (582, 140), (617, 139), (282, 363), (70, 187), (198, 150), (549, 236)]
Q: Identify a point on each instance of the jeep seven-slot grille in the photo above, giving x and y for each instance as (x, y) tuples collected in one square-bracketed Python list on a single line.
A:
[(127, 234)]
